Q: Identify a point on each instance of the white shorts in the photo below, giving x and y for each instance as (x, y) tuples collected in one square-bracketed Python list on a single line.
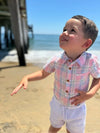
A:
[(73, 117)]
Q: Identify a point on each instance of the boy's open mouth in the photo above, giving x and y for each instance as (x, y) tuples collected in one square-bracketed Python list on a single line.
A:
[(64, 39)]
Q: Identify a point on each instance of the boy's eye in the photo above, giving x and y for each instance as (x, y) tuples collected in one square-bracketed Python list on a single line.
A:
[(64, 30), (72, 30)]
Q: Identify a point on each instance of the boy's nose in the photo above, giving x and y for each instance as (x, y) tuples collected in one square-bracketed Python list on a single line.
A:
[(66, 32)]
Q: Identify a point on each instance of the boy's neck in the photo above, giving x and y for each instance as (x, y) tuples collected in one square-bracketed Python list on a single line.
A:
[(73, 55)]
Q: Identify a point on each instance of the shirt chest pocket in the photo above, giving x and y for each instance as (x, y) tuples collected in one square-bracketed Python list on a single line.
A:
[(81, 76)]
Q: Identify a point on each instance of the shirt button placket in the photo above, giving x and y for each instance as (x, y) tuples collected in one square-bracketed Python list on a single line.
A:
[(67, 86), (69, 72), (68, 80)]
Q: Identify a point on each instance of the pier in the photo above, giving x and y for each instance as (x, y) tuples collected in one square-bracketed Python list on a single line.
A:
[(13, 17)]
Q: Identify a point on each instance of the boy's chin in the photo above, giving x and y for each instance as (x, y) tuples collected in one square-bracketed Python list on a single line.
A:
[(62, 46)]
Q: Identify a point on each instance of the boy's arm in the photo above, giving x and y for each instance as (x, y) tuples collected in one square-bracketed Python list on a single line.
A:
[(95, 86), (31, 77), (83, 96)]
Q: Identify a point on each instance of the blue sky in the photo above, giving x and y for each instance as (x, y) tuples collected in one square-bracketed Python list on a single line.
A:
[(50, 16)]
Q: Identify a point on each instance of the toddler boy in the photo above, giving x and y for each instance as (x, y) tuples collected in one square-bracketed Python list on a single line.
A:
[(72, 71)]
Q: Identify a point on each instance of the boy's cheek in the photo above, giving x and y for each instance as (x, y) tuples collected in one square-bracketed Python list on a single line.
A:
[(73, 38)]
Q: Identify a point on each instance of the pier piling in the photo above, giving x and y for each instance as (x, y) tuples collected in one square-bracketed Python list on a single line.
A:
[(17, 29), (13, 19)]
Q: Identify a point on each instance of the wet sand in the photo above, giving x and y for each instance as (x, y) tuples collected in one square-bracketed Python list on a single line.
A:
[(28, 111)]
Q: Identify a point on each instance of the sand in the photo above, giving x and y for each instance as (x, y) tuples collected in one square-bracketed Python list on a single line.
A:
[(28, 111)]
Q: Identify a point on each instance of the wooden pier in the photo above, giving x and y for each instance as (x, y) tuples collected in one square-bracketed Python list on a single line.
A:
[(13, 17)]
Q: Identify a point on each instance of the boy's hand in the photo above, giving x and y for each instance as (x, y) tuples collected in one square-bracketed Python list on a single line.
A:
[(23, 84), (83, 96)]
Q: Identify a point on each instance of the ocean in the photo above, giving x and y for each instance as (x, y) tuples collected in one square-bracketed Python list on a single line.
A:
[(43, 47)]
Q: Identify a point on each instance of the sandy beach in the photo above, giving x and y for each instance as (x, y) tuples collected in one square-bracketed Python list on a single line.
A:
[(28, 111)]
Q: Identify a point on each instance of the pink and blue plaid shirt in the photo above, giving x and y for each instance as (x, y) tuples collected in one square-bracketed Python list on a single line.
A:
[(70, 76)]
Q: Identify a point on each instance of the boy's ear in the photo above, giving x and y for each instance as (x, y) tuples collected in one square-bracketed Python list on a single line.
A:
[(87, 44)]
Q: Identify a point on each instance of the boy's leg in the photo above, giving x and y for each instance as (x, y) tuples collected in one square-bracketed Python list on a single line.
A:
[(67, 131), (53, 130), (76, 119), (56, 116)]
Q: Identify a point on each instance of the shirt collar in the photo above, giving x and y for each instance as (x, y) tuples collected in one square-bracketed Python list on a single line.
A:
[(64, 58), (81, 60)]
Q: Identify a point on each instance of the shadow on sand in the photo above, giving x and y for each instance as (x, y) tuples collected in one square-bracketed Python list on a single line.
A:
[(3, 54)]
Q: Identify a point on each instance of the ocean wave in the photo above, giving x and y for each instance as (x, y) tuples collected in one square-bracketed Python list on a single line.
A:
[(37, 56), (33, 56)]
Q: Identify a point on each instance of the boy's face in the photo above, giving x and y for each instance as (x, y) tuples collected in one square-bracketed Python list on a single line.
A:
[(72, 37)]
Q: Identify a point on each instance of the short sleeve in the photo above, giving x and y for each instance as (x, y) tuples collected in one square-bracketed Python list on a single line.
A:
[(50, 65), (95, 68)]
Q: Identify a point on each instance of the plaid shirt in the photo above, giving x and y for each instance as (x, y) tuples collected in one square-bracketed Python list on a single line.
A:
[(72, 75)]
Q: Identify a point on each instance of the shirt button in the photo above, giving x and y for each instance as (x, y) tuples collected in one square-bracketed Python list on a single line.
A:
[(66, 91), (70, 68), (70, 60), (67, 80)]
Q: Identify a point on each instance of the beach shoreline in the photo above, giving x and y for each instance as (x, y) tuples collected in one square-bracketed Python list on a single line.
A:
[(36, 57), (28, 111)]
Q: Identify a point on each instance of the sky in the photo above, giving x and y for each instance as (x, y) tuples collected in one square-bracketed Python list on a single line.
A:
[(50, 16)]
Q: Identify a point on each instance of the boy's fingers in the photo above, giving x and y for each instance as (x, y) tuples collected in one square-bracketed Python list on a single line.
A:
[(25, 86), (16, 90)]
